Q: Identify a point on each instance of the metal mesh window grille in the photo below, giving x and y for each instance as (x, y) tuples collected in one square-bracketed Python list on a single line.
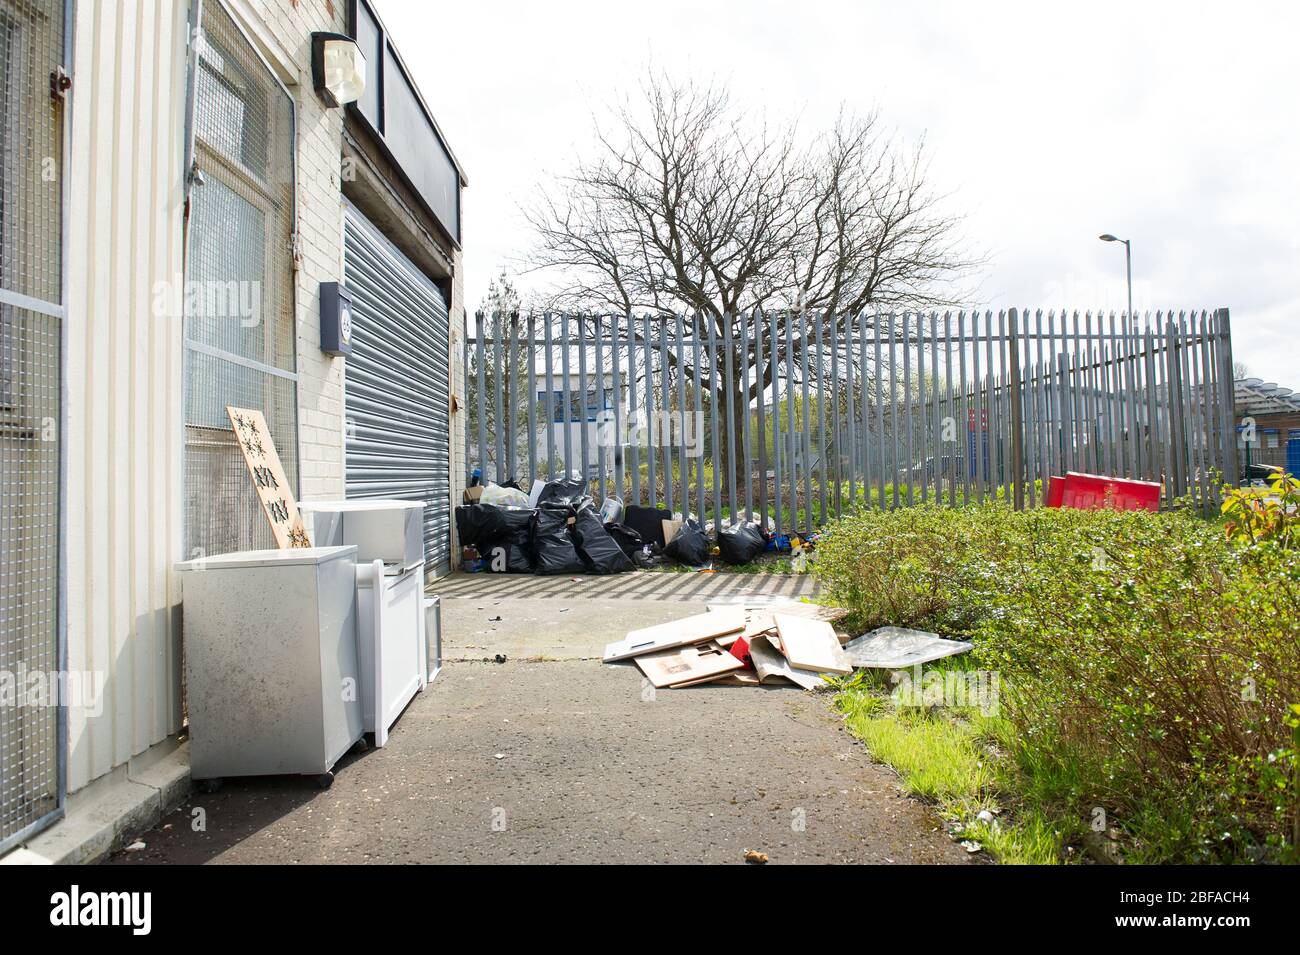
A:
[(31, 47), (238, 295)]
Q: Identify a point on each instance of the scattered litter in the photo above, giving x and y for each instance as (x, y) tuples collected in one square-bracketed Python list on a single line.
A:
[(985, 817), (769, 640), (499, 658), (135, 847), (971, 846), (738, 644), (494, 619), (754, 857), (499, 756), (897, 648)]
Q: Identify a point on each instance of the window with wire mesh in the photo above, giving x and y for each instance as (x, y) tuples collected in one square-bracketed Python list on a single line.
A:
[(238, 296), (31, 47)]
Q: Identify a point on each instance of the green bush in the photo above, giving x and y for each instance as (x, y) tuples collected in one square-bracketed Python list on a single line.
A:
[(1149, 665)]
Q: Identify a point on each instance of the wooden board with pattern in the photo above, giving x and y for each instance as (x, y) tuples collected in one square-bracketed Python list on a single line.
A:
[(272, 485)]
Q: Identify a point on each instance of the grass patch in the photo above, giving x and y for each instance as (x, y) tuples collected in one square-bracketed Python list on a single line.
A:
[(946, 760)]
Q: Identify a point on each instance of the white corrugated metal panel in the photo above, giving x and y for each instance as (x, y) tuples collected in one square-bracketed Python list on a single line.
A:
[(124, 376), (397, 383)]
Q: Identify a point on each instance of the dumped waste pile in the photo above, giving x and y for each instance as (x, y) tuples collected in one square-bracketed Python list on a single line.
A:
[(557, 529), (774, 642)]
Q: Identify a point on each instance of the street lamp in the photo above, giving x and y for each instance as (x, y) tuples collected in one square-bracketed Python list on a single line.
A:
[(1128, 266)]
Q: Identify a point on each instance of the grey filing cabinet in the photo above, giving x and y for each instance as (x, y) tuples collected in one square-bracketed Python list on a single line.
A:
[(273, 682)]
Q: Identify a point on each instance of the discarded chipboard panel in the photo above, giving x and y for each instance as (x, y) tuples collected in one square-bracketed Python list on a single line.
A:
[(758, 611), (692, 664), (897, 648), (676, 633), (811, 645)]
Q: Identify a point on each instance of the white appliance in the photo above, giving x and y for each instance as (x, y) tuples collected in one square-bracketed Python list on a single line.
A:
[(390, 642), (390, 531), (433, 636), (271, 662)]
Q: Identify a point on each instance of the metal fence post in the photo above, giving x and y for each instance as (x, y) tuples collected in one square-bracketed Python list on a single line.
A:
[(1017, 413)]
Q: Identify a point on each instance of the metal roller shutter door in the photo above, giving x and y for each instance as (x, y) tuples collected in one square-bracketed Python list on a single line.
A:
[(397, 384)]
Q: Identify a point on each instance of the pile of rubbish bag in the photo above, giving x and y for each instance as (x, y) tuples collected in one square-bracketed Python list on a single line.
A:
[(562, 534), (559, 530)]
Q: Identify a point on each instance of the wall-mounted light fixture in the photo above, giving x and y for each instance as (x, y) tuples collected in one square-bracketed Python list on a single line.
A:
[(338, 68), (335, 319)]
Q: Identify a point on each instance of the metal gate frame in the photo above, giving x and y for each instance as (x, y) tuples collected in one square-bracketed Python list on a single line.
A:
[(59, 312)]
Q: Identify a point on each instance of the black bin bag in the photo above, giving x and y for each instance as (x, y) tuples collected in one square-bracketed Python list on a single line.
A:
[(477, 525), (690, 546), (562, 490), (511, 551), (596, 548), (628, 540), (553, 550), (741, 543)]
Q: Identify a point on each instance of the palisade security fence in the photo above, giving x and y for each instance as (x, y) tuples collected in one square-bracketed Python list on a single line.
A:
[(792, 418)]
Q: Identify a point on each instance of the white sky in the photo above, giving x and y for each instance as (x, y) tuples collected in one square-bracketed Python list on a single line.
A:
[(1174, 124)]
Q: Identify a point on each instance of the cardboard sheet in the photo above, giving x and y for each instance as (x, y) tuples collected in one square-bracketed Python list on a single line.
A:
[(811, 645), (897, 648), (676, 633), (687, 665)]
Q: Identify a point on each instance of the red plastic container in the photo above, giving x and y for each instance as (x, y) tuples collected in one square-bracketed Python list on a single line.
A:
[(1055, 490), (1089, 491)]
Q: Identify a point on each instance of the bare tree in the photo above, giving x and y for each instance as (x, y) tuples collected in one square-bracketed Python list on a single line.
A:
[(688, 205)]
